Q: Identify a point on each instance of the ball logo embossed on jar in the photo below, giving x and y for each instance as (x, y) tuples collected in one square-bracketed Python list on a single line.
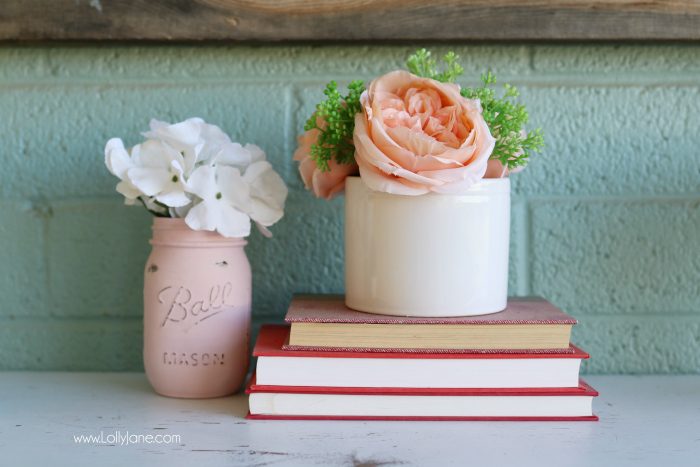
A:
[(183, 307)]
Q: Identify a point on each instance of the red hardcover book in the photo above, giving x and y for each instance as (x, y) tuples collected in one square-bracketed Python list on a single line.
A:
[(527, 325), (478, 404), (278, 366)]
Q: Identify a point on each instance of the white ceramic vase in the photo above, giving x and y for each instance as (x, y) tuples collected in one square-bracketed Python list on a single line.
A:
[(431, 255)]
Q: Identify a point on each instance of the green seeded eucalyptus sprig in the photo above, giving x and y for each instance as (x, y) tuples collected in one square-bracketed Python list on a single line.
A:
[(421, 64), (506, 119), (336, 116)]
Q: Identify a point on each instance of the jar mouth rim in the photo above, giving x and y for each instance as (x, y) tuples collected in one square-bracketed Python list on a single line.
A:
[(170, 223), (174, 231)]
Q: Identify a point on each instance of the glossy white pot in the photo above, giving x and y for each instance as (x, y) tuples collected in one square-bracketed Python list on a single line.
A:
[(431, 255)]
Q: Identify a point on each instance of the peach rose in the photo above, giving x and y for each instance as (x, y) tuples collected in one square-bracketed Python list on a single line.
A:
[(417, 135), (323, 184), (495, 169)]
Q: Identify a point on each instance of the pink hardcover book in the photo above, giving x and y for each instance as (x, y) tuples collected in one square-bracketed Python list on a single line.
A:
[(531, 325)]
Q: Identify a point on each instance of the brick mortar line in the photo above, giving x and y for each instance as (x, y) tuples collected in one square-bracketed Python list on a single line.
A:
[(661, 197), (545, 80)]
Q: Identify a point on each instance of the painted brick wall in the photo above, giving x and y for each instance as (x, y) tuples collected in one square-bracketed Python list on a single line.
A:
[(606, 223)]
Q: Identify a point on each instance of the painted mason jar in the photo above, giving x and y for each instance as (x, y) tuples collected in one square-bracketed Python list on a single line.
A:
[(197, 307)]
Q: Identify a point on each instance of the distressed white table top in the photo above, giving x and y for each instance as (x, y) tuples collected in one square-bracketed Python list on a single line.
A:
[(651, 420)]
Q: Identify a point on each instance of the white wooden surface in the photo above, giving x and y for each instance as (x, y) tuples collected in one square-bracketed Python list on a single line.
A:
[(651, 420)]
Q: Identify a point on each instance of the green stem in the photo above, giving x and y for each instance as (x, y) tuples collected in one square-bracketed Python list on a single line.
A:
[(157, 214)]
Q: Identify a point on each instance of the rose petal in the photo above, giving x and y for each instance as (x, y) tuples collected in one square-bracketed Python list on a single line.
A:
[(495, 169), (331, 183), (378, 181), (369, 153)]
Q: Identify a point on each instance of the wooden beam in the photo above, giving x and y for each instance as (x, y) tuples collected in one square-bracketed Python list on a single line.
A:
[(349, 20)]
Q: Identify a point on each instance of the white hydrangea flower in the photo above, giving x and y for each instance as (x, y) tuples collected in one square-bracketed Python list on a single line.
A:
[(159, 173), (224, 194), (193, 170)]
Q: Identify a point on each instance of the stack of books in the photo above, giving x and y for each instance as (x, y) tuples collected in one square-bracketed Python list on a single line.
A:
[(331, 362)]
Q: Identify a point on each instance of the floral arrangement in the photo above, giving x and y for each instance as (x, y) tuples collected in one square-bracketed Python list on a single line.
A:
[(415, 131), (193, 170)]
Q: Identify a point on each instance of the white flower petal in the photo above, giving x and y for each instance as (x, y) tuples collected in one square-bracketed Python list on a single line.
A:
[(266, 183), (267, 193), (256, 153), (128, 190), (156, 124), (150, 181), (233, 223), (117, 159), (212, 133), (204, 216), (177, 168), (215, 140), (233, 187), (264, 213), (174, 198), (233, 154), (185, 138), (186, 133), (255, 170), (154, 153), (202, 182)]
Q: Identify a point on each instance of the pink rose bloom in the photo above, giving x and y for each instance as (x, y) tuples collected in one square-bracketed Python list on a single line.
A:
[(495, 169), (323, 184), (417, 135)]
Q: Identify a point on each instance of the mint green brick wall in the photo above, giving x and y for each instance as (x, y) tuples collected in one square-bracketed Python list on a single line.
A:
[(606, 223)]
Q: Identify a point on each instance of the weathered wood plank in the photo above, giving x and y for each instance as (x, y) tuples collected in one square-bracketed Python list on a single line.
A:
[(644, 421), (277, 20)]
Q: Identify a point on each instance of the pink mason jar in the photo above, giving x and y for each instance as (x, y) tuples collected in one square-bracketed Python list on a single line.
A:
[(197, 307)]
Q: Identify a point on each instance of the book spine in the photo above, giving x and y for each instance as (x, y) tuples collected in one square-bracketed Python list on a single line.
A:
[(307, 348), (589, 418)]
